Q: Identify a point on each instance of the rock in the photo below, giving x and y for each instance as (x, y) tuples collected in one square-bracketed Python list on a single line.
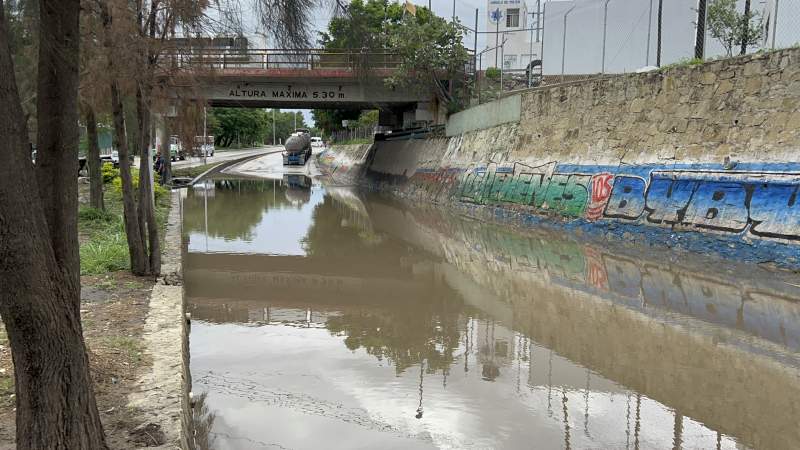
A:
[(173, 279), (148, 435)]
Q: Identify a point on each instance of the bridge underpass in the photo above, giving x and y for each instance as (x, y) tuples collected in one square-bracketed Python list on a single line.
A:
[(303, 79)]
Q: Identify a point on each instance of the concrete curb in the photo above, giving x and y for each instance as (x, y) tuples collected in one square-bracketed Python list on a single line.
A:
[(160, 387)]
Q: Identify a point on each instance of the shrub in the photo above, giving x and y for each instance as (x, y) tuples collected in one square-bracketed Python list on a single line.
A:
[(160, 191), (109, 173), (493, 73)]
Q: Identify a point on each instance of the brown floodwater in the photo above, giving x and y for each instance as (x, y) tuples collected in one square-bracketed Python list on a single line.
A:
[(323, 319)]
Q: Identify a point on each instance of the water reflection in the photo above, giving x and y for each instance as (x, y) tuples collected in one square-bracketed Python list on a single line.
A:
[(413, 329)]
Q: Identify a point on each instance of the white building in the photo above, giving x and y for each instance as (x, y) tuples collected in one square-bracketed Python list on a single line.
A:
[(514, 31)]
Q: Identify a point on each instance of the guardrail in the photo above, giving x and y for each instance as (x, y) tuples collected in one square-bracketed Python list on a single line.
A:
[(276, 59)]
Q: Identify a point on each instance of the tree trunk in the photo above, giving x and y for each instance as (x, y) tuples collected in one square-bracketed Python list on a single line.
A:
[(138, 253), (57, 136), (745, 27), (147, 215), (93, 159), (38, 247)]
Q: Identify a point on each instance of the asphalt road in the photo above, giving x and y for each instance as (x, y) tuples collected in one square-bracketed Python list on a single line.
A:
[(220, 156)]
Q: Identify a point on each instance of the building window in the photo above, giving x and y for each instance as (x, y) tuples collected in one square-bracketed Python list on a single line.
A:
[(509, 62), (512, 18)]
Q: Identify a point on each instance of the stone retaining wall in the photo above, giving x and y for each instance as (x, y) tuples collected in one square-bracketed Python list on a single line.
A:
[(703, 157)]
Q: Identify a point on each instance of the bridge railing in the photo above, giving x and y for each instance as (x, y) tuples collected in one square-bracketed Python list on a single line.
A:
[(277, 59)]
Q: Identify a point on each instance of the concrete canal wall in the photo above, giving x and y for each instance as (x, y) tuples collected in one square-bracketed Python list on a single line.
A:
[(702, 157)]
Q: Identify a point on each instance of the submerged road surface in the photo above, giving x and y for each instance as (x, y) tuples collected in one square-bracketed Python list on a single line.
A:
[(326, 319)]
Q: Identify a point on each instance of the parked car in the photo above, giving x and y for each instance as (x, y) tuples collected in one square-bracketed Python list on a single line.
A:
[(176, 149), (115, 159), (108, 158), (316, 142)]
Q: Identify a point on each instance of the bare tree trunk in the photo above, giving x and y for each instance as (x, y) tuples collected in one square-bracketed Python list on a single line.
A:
[(138, 253), (57, 118), (147, 215), (39, 267), (745, 27), (93, 159)]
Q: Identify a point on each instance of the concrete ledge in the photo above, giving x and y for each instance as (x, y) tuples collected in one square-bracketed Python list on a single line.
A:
[(484, 116), (161, 387)]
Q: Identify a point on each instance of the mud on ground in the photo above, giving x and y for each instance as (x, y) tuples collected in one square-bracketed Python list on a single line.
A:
[(113, 312)]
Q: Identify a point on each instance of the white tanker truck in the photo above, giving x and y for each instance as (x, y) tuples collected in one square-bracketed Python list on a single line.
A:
[(298, 148)]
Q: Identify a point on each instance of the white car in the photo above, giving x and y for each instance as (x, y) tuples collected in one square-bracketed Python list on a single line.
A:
[(316, 142), (115, 158)]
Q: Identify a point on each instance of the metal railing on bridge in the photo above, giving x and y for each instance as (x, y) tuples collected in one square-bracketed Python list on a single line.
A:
[(279, 59)]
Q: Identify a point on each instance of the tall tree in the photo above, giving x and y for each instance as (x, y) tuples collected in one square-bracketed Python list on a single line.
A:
[(731, 28), (40, 302)]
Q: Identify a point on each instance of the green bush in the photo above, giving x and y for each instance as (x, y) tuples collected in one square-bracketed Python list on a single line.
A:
[(493, 73), (160, 191), (109, 173)]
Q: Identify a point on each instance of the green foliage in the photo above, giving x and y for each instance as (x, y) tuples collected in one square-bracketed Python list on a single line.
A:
[(109, 173), (430, 48), (104, 247), (159, 190), (493, 73), (732, 28), (250, 127), (105, 254), (685, 62)]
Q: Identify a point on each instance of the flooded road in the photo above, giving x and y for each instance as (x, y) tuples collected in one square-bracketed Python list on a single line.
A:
[(327, 319)]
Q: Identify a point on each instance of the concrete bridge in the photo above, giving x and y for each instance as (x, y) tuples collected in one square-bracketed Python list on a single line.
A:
[(308, 78)]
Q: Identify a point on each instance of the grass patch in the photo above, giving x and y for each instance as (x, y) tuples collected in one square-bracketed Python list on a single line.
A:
[(355, 141), (104, 246), (192, 172), (130, 348)]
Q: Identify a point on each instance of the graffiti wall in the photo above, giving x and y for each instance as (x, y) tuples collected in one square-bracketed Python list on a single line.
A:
[(746, 201)]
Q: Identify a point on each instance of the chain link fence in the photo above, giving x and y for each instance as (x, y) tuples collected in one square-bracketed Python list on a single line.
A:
[(586, 39), (364, 134)]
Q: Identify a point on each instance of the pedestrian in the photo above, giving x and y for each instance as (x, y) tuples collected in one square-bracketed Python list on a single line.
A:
[(159, 167)]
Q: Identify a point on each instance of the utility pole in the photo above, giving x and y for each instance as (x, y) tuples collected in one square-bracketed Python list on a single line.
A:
[(774, 23), (273, 126), (564, 43), (660, 22), (745, 27), (295, 121), (204, 148), (699, 41), (530, 54), (649, 28), (496, 38), (475, 49), (605, 28), (454, 10)]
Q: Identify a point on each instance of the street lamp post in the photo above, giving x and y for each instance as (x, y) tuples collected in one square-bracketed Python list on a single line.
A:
[(605, 28), (273, 126), (564, 43), (649, 28), (203, 148)]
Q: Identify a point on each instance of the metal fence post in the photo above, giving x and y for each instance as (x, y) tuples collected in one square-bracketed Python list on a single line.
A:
[(605, 27)]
